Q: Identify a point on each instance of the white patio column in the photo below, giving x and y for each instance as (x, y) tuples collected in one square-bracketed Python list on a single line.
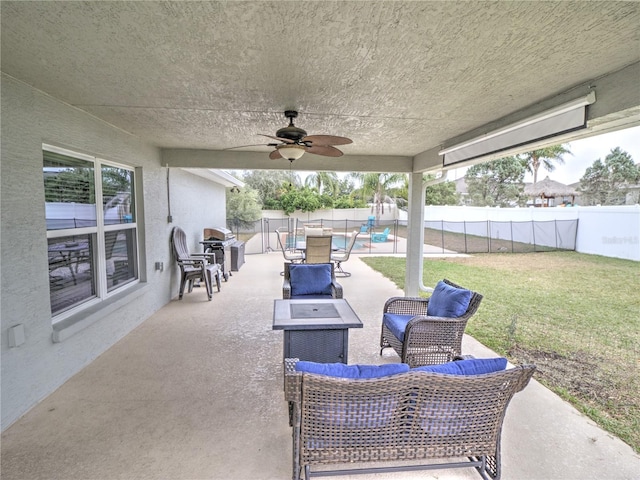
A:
[(415, 235)]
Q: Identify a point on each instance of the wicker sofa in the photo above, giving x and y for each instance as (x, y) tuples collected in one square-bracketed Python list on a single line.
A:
[(405, 420)]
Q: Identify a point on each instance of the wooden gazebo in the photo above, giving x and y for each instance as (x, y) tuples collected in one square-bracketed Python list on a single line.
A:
[(547, 188)]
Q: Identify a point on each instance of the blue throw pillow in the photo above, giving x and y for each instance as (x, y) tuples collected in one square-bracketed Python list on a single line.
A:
[(351, 371), (310, 279), (447, 301), (397, 323), (473, 366)]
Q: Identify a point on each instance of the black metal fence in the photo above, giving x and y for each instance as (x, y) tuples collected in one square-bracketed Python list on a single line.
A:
[(373, 237), (506, 236), (439, 236)]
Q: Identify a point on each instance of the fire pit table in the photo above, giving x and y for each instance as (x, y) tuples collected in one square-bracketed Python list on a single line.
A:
[(315, 330)]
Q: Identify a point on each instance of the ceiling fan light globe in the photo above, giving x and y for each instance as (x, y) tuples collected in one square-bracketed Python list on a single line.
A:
[(291, 152)]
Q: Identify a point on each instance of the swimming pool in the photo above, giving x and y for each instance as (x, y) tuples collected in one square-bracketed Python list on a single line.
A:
[(341, 242), (338, 242)]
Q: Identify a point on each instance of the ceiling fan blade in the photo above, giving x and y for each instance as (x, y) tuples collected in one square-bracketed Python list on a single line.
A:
[(320, 140), (252, 145), (324, 150), (275, 155), (283, 140)]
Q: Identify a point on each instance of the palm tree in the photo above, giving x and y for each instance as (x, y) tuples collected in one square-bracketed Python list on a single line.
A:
[(376, 186), (325, 182), (545, 157)]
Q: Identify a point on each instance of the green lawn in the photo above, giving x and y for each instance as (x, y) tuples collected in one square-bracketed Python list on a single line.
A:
[(576, 316)]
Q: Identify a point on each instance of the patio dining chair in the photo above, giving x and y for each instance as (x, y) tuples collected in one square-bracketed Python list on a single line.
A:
[(317, 231), (289, 254), (342, 256), (318, 249), (427, 331), (195, 266), (119, 258)]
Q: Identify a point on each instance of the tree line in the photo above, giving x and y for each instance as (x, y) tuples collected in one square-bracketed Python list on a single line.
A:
[(496, 183), (501, 182)]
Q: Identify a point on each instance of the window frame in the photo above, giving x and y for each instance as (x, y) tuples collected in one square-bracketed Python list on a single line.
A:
[(99, 274)]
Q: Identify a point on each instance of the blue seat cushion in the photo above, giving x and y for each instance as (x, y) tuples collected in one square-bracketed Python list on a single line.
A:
[(473, 366), (396, 323), (447, 301), (351, 371), (310, 279)]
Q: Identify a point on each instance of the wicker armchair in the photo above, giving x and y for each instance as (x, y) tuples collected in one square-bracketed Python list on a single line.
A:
[(336, 288), (427, 340), (417, 416)]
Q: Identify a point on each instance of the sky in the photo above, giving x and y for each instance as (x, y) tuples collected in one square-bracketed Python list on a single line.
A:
[(585, 152)]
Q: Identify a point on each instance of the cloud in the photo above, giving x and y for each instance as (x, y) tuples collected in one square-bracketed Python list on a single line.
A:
[(588, 150)]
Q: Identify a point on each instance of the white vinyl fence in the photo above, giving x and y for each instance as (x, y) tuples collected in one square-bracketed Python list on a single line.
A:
[(608, 231)]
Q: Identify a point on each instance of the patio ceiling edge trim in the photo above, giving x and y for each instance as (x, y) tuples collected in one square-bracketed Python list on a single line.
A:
[(219, 159), (218, 176)]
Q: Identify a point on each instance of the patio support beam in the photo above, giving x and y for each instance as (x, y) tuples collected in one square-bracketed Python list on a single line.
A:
[(234, 160), (415, 236), (428, 161)]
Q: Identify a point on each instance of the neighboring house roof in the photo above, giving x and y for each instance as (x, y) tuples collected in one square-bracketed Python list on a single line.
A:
[(461, 186)]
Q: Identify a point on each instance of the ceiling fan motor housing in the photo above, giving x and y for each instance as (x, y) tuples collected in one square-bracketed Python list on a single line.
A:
[(291, 132)]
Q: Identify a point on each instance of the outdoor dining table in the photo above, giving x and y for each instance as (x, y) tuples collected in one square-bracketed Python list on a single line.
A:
[(302, 246), (72, 252)]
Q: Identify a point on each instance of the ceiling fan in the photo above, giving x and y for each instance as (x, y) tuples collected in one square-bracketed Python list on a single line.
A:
[(294, 142)]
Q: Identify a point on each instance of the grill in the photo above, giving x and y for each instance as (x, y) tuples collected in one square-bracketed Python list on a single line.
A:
[(218, 234), (219, 241)]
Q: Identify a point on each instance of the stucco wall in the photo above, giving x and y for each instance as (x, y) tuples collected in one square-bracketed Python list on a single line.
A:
[(30, 118), (196, 204)]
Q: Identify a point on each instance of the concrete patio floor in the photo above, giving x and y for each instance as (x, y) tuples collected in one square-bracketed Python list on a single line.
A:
[(195, 392)]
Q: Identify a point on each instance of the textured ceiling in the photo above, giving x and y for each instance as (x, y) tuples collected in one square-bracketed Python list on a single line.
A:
[(397, 77)]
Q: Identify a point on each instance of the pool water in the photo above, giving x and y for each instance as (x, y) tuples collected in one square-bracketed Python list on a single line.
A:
[(341, 242)]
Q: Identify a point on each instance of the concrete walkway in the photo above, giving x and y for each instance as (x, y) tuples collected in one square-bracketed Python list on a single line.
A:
[(195, 392)]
